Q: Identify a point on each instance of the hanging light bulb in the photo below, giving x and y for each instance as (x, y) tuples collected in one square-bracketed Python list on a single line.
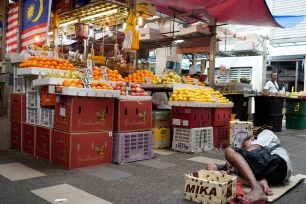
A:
[(36, 38), (140, 21), (106, 28)]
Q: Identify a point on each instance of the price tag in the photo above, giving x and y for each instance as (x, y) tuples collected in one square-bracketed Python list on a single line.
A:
[(90, 64), (184, 79), (195, 82), (88, 71), (128, 88), (104, 73), (86, 82), (148, 80)]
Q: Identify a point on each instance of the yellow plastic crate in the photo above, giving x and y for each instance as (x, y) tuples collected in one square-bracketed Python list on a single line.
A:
[(161, 137), (239, 130), (210, 187)]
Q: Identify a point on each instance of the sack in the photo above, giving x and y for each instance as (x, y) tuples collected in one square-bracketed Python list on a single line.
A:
[(135, 42)]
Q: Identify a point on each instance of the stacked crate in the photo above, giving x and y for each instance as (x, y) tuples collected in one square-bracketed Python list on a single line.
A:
[(192, 129), (221, 117), (239, 131), (161, 127), (132, 139), (82, 133), (296, 114)]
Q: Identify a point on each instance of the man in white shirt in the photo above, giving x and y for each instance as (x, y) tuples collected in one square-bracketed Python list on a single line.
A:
[(272, 86)]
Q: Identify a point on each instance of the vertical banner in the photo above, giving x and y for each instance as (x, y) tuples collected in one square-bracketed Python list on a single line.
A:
[(35, 19)]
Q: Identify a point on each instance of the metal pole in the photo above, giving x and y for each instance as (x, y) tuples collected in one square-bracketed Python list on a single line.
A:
[(212, 54), (264, 63), (296, 75)]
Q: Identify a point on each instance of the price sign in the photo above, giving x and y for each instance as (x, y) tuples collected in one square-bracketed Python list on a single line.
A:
[(88, 71), (86, 81), (184, 79), (195, 82), (148, 80), (90, 64), (104, 73), (128, 88)]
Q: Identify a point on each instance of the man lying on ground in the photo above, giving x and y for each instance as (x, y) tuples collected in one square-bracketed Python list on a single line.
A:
[(258, 164)]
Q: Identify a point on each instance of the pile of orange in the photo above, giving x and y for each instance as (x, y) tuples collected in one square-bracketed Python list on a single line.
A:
[(100, 85), (44, 62), (73, 82), (112, 74), (190, 81), (139, 76)]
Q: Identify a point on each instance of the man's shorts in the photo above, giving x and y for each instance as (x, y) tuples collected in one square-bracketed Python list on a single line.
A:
[(265, 165)]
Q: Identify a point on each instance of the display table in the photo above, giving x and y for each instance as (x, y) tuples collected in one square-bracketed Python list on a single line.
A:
[(268, 111)]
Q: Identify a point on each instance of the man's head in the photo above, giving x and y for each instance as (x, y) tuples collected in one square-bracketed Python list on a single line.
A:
[(247, 142), (273, 76)]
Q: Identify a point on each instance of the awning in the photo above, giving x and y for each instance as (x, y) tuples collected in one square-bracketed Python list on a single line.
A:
[(289, 21), (246, 12)]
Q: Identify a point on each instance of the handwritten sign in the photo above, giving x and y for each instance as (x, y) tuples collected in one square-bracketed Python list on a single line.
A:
[(86, 81), (104, 73), (184, 80), (90, 64), (128, 88), (148, 80), (195, 82)]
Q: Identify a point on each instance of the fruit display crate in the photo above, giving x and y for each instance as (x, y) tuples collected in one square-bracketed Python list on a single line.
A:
[(221, 136), (193, 140), (32, 115), (19, 85), (191, 117), (136, 98), (132, 146), (224, 187), (32, 100), (294, 121), (72, 91), (157, 86), (46, 117), (221, 116), (37, 71), (29, 87), (48, 81)]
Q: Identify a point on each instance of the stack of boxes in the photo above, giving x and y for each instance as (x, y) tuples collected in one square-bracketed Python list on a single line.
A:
[(82, 133), (161, 128), (133, 139), (220, 122), (192, 129)]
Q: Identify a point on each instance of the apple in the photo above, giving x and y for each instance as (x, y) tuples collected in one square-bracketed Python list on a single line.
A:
[(137, 85), (133, 94), (119, 84), (146, 94), (122, 93), (141, 90), (138, 90), (123, 88), (137, 94), (133, 90)]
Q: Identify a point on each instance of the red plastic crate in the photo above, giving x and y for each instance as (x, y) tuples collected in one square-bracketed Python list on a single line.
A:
[(47, 99), (16, 135), (191, 117), (29, 138), (221, 116), (83, 114), (43, 142), (18, 110), (221, 136), (132, 146), (132, 115), (75, 150)]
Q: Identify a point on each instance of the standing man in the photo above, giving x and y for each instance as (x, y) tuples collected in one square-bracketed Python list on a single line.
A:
[(272, 86)]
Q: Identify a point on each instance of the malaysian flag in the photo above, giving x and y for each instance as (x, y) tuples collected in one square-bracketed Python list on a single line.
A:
[(12, 28), (35, 19)]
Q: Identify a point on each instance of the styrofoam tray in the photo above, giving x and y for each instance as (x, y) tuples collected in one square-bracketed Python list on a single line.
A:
[(135, 98), (192, 104), (72, 91), (37, 71), (48, 81), (144, 85)]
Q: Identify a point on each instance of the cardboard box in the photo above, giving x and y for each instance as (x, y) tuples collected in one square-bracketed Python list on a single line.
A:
[(47, 99), (149, 34), (83, 114), (191, 117), (161, 137), (239, 130), (18, 107), (16, 135), (29, 138), (132, 115), (210, 187), (195, 29), (75, 150), (43, 148), (147, 7)]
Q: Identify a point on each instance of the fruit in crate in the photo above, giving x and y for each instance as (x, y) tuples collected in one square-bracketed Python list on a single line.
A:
[(220, 97), (139, 76), (67, 74), (293, 95), (121, 86), (111, 74), (136, 90), (100, 85), (45, 62), (193, 95), (170, 78), (190, 81), (73, 83)]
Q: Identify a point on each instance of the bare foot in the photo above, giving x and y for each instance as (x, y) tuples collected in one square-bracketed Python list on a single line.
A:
[(256, 194), (265, 187)]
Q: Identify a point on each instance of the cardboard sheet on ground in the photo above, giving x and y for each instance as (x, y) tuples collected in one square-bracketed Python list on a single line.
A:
[(280, 190)]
